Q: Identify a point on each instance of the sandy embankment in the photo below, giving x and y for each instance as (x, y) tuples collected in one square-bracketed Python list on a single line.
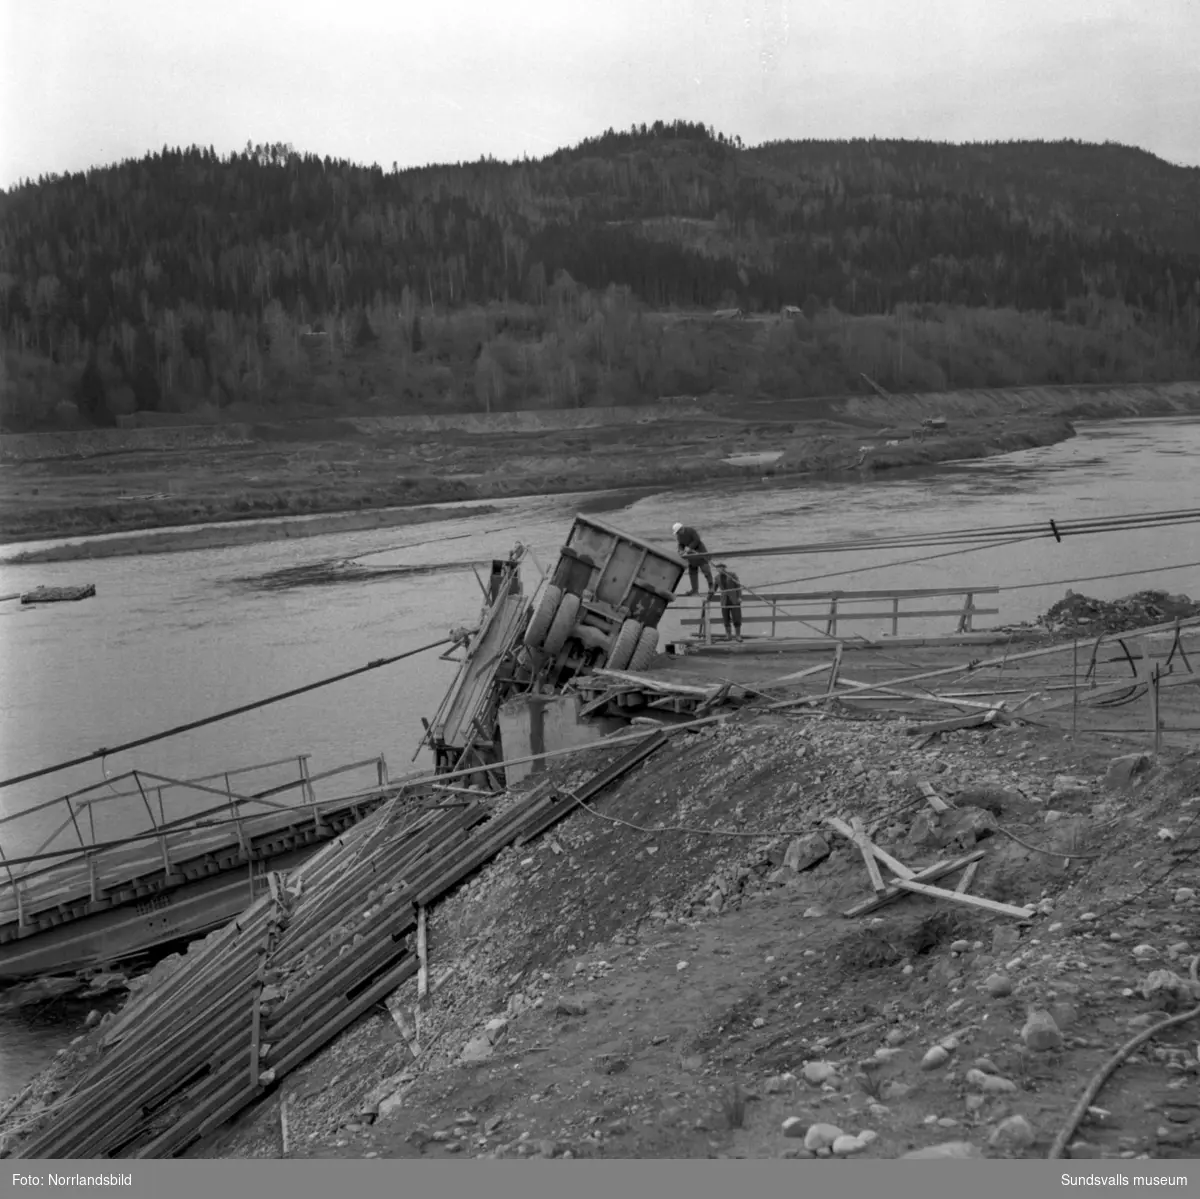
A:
[(356, 474)]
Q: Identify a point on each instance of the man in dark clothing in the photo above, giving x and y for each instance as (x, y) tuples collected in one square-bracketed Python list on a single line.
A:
[(729, 587), (695, 553)]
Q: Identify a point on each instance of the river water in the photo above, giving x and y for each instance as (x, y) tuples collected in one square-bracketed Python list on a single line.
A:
[(170, 638)]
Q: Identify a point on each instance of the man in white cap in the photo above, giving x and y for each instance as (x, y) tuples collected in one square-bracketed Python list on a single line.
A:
[(695, 553)]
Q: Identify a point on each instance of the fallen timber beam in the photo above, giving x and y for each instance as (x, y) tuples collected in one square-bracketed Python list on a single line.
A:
[(975, 901), (925, 875), (898, 868), (992, 716)]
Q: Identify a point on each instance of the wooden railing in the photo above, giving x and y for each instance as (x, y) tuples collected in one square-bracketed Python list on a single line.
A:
[(823, 611)]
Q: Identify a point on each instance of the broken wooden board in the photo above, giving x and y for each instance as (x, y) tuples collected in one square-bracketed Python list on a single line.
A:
[(898, 868), (992, 716), (925, 875), (968, 876), (974, 901), (934, 800), (864, 847)]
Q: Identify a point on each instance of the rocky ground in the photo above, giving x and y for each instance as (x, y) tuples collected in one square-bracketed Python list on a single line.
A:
[(671, 975)]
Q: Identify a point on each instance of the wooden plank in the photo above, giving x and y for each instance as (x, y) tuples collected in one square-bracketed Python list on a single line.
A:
[(835, 669), (968, 877), (899, 869), (957, 722), (797, 675), (422, 957), (975, 901), (934, 800), (925, 874), (864, 848)]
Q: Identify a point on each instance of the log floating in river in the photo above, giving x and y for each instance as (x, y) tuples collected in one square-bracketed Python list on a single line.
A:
[(54, 595)]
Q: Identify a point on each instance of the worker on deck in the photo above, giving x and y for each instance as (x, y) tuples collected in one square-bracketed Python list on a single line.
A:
[(729, 588), (695, 553)]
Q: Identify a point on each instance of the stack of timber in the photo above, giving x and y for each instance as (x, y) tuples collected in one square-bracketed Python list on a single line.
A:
[(271, 989)]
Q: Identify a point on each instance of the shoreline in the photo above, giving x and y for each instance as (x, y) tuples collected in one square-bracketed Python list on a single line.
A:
[(160, 530), (349, 475)]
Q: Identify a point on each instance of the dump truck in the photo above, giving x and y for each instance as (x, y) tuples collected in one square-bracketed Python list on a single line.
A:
[(602, 604)]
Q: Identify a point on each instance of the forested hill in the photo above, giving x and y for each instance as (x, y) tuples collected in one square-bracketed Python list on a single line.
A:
[(185, 255)]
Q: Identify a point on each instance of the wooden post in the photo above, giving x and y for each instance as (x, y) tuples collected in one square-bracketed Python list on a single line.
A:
[(1147, 674), (233, 810), (422, 958), (774, 615), (93, 878), (162, 837), (283, 1124), (835, 669), (14, 882), (309, 793), (895, 615), (74, 821), (1154, 708), (1075, 689)]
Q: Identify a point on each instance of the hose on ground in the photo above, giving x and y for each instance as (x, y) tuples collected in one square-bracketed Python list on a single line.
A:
[(1102, 1075)]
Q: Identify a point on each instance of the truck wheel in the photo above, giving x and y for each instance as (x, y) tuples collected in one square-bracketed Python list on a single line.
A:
[(647, 647), (562, 624), (539, 626), (624, 645)]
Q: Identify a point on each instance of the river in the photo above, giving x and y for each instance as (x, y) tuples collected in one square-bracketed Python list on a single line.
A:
[(172, 637)]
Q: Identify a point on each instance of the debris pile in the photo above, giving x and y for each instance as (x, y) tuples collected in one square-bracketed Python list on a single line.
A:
[(1081, 614)]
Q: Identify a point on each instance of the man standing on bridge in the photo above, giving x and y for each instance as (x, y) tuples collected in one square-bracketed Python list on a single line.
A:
[(729, 587), (695, 553)]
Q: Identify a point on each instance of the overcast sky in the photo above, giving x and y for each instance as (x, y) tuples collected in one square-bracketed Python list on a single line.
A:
[(88, 82)]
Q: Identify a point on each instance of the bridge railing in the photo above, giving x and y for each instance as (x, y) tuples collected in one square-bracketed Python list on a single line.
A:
[(820, 613), (93, 825)]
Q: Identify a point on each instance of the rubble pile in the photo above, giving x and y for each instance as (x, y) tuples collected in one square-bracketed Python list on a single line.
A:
[(1081, 614)]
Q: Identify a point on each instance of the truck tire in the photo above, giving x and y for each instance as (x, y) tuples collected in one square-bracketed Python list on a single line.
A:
[(647, 647), (624, 645), (562, 624), (539, 625)]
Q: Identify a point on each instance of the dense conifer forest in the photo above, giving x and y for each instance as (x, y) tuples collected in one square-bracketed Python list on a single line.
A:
[(274, 280)]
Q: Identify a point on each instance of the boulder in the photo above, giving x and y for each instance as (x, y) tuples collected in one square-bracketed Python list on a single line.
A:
[(819, 1072), (1012, 1133), (948, 1149), (1040, 1033), (821, 1136), (1125, 771), (805, 852)]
